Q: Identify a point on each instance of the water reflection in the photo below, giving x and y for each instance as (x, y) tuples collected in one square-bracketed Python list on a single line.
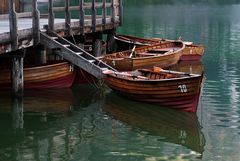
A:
[(193, 67), (41, 126), (172, 126)]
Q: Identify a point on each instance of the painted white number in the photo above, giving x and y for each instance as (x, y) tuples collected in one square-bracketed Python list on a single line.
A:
[(71, 68), (183, 88)]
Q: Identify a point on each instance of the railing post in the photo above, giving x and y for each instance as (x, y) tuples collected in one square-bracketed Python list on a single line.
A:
[(104, 14), (81, 17), (121, 12), (13, 25), (94, 17), (35, 23), (67, 19), (51, 15), (113, 12)]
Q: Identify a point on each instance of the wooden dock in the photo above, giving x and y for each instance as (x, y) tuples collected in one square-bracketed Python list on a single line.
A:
[(25, 27), (21, 30)]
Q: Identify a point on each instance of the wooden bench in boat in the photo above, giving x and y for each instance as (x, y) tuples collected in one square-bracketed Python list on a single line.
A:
[(164, 50)]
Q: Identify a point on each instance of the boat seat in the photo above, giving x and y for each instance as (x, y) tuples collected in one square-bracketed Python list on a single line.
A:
[(146, 54)]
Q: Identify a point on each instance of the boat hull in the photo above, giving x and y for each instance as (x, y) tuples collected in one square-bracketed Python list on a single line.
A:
[(54, 75), (144, 58), (173, 93)]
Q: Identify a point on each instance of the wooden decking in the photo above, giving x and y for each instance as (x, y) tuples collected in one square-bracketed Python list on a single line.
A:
[(21, 30), (25, 27)]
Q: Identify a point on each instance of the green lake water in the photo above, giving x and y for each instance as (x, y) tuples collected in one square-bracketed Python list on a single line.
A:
[(86, 123)]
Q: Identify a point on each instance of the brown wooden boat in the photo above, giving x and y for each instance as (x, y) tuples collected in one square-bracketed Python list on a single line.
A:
[(56, 74), (191, 52), (162, 54), (178, 127), (167, 88)]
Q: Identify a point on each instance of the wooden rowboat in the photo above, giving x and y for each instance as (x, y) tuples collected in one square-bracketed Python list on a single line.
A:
[(162, 54), (166, 123), (52, 75), (167, 88), (191, 52)]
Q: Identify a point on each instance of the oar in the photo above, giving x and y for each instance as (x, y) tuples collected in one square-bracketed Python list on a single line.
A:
[(123, 74), (132, 51), (160, 70)]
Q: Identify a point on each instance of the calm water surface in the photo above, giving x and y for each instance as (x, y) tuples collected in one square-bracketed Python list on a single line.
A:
[(89, 123)]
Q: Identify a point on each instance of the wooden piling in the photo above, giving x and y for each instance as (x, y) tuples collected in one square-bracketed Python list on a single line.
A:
[(97, 45), (17, 73), (13, 25), (111, 44), (36, 23)]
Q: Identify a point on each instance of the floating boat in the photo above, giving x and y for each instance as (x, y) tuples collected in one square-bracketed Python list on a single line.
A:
[(178, 127), (191, 52), (58, 74), (162, 54), (167, 88)]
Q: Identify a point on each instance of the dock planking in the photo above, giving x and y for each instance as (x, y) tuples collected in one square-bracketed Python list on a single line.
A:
[(21, 30)]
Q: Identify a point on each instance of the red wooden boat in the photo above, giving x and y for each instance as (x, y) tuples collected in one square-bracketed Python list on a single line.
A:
[(191, 52), (51, 75), (167, 123), (167, 88), (162, 54)]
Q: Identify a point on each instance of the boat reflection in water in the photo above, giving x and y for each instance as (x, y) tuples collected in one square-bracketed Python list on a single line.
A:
[(42, 102), (174, 126), (192, 67)]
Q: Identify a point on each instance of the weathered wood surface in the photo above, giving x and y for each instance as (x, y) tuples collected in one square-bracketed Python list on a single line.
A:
[(28, 29)]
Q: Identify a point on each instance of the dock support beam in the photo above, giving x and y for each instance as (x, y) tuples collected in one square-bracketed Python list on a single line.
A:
[(111, 44), (17, 73), (97, 45)]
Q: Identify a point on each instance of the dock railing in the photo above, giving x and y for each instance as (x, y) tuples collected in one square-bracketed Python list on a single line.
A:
[(93, 16)]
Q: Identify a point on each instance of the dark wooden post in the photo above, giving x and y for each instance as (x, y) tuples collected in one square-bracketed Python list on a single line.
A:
[(40, 55), (113, 11), (121, 12), (51, 15), (17, 73), (13, 25), (35, 23), (104, 14), (97, 45), (94, 17), (81, 17), (67, 19), (111, 44)]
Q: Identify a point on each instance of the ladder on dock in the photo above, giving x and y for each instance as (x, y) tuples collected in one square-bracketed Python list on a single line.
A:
[(74, 54)]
